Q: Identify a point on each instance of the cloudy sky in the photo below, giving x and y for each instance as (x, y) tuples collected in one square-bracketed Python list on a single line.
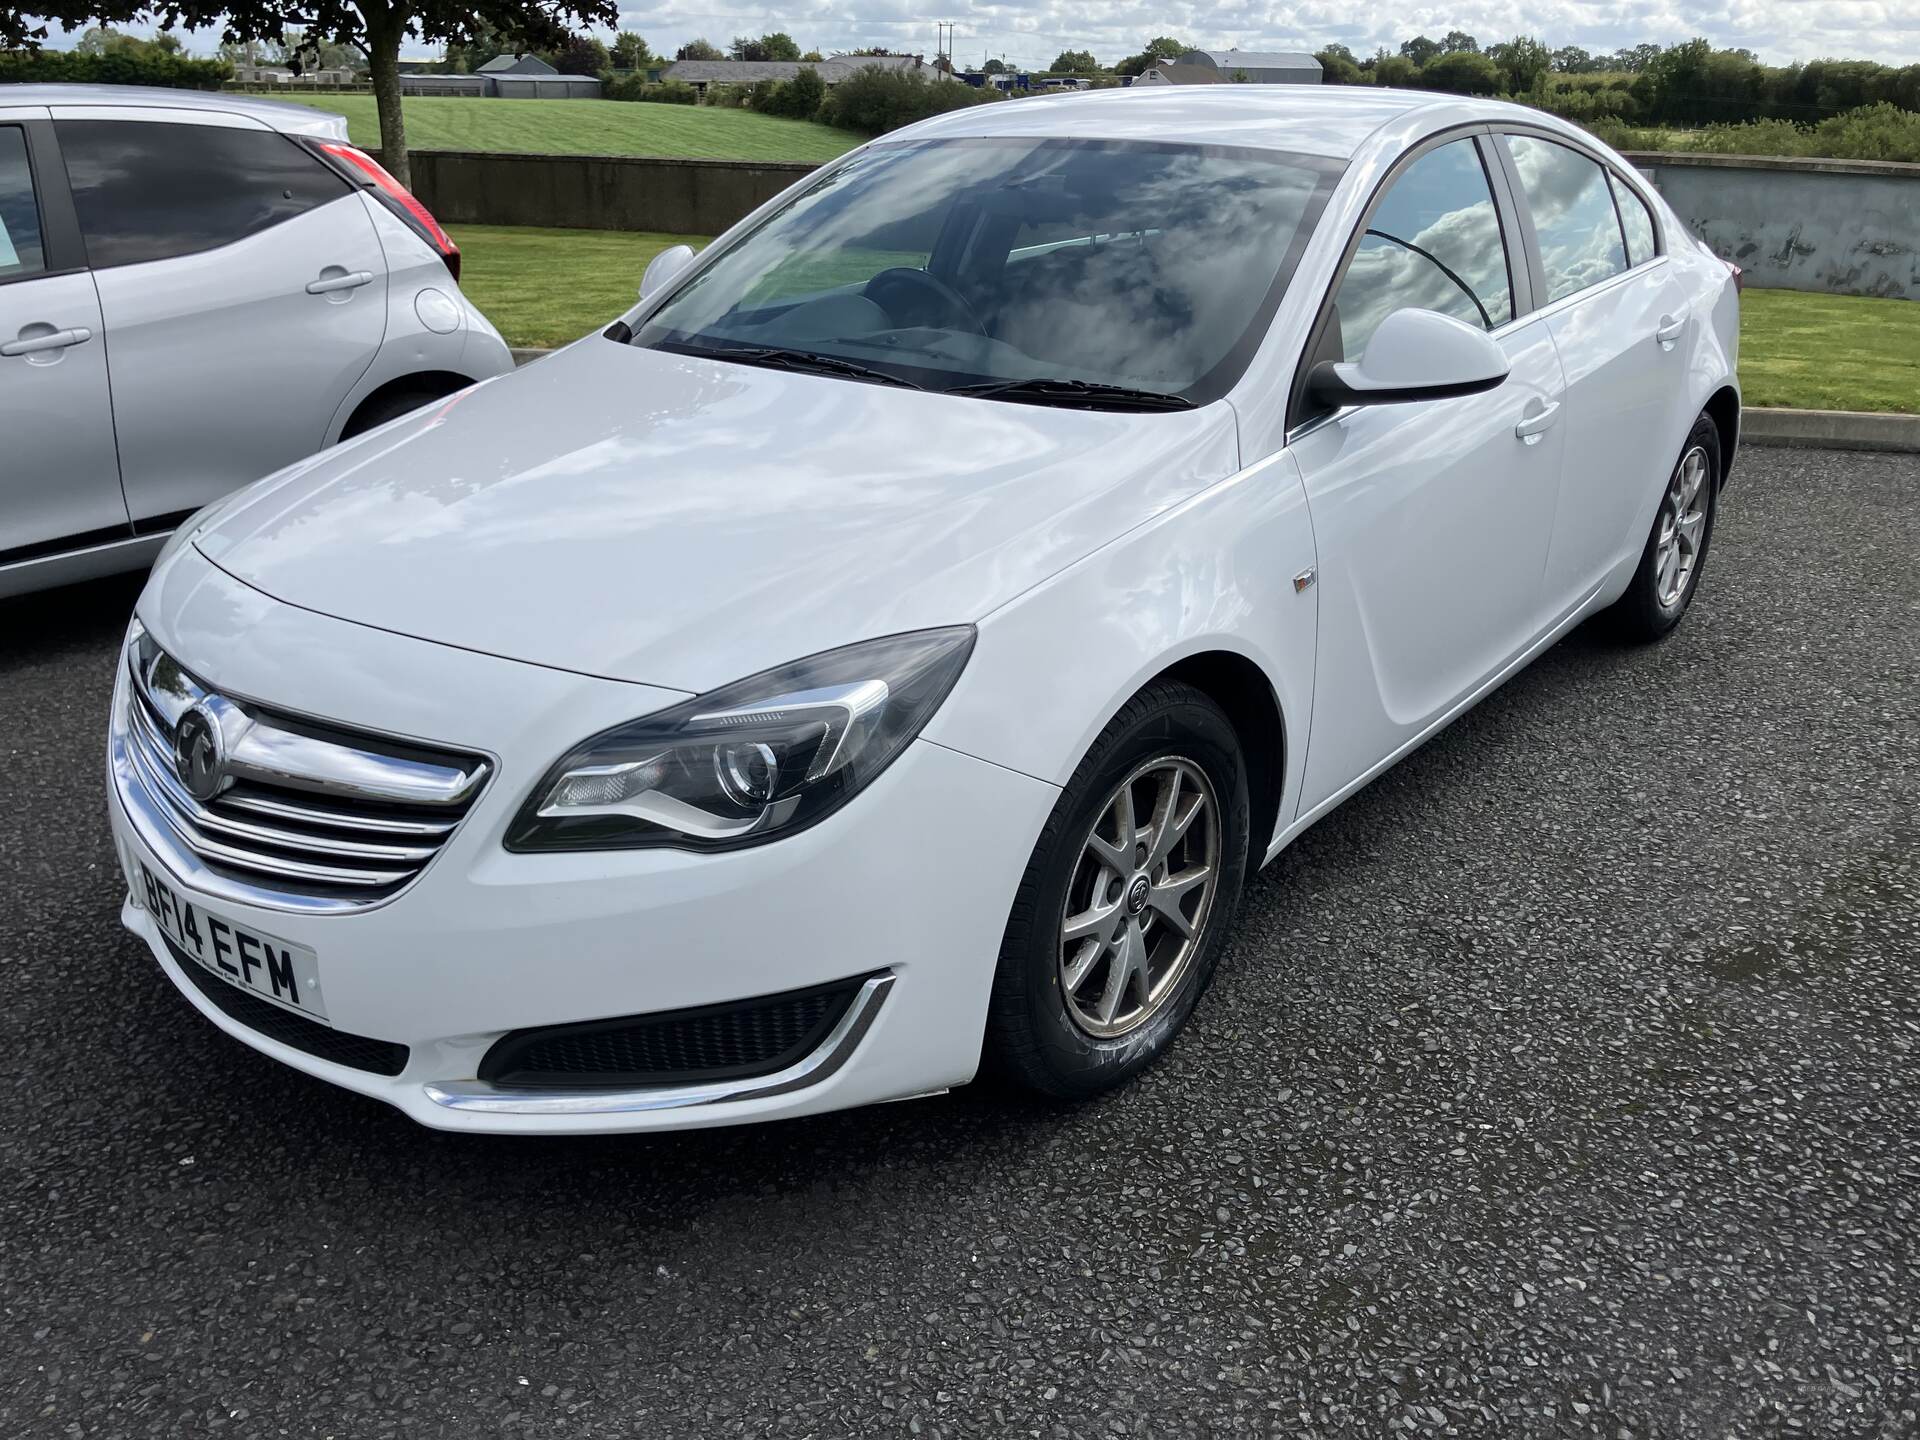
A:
[(1032, 32)]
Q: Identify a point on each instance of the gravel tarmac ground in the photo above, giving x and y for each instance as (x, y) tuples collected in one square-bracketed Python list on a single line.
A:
[(1560, 1084)]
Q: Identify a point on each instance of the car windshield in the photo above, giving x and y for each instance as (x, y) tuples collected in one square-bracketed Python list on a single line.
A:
[(1136, 275)]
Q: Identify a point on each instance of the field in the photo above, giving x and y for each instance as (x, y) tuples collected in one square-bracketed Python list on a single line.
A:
[(547, 287), (1816, 352), (1829, 352), (592, 127)]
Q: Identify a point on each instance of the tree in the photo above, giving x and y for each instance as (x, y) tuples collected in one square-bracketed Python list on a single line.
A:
[(1461, 73), (1572, 60), (1395, 70), (1458, 42), (1522, 61), (1074, 62), (1634, 58), (994, 67), (375, 28), (1337, 66), (468, 55), (700, 48), (777, 46), (105, 40), (630, 52), (1420, 49), (582, 55), (1159, 49), (299, 53)]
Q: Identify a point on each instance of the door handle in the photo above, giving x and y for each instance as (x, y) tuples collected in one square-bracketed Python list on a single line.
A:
[(56, 340), (327, 284), (1669, 331), (1532, 427)]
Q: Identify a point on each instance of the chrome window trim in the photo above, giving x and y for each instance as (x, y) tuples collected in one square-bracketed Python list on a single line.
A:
[(477, 1097)]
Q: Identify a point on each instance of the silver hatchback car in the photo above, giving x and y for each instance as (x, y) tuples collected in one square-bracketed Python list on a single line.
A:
[(196, 290)]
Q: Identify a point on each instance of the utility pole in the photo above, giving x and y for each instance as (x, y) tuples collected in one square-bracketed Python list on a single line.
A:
[(943, 41)]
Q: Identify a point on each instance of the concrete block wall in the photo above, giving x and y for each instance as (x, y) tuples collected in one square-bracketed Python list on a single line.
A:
[(595, 192), (1840, 227)]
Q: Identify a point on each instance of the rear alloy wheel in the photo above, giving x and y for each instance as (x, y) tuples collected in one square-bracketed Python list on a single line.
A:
[(1676, 548), (1121, 914)]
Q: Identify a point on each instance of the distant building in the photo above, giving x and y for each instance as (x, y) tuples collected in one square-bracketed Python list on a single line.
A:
[(1170, 73), (702, 73), (507, 77), (1260, 67), (262, 75)]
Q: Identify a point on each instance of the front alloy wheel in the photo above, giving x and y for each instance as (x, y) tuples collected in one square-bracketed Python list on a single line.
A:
[(1137, 903), (1121, 915)]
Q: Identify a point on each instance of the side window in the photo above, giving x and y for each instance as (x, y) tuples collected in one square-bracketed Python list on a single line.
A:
[(1573, 215), (1433, 243), (1636, 219), (20, 247), (148, 191)]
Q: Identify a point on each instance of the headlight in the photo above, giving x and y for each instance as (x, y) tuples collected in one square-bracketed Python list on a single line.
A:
[(756, 759)]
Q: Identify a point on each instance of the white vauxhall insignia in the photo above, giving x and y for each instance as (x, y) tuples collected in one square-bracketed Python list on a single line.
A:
[(887, 649)]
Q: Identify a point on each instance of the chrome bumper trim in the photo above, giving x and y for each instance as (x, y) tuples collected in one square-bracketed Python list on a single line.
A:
[(477, 1097)]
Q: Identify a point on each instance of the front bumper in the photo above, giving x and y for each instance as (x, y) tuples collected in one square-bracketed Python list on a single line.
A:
[(909, 884)]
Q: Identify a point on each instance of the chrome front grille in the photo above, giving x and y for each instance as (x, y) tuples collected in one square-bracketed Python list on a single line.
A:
[(283, 810)]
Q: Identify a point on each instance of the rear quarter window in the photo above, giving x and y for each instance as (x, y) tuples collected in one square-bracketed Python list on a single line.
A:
[(153, 191)]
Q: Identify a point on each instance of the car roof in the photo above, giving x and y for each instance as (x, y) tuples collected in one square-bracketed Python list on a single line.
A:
[(291, 119), (1333, 121)]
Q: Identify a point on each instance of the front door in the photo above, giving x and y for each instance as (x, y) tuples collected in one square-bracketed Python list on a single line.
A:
[(59, 475), (245, 290), (1431, 520)]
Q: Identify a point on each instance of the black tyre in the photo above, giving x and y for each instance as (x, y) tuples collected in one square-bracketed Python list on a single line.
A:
[(1119, 919), (388, 407), (1676, 551)]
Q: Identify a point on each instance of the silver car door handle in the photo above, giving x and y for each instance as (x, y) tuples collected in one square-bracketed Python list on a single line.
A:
[(1669, 331), (339, 282), (1533, 426), (58, 340)]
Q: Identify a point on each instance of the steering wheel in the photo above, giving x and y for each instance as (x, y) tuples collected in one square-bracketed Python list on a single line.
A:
[(902, 278)]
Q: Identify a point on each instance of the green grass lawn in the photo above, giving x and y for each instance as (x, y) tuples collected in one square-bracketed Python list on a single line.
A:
[(547, 287), (1829, 352), (592, 127), (1814, 352)]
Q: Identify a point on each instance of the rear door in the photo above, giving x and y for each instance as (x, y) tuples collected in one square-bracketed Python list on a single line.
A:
[(59, 476), (1619, 319), (243, 287)]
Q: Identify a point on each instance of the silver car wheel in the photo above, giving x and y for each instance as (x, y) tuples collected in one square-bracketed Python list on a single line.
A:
[(1137, 905), (1683, 528)]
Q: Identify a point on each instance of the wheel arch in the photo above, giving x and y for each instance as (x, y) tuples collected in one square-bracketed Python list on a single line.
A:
[(432, 384), (1723, 408), (1243, 690)]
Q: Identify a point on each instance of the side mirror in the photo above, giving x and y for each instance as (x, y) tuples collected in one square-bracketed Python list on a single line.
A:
[(663, 267), (1414, 355)]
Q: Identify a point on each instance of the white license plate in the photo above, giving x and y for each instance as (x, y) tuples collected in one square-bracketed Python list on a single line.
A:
[(272, 968)]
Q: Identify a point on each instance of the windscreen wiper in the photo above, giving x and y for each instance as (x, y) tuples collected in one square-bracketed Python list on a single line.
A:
[(774, 357), (1074, 395)]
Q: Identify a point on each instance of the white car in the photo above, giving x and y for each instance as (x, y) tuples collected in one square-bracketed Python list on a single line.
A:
[(196, 290), (893, 643)]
